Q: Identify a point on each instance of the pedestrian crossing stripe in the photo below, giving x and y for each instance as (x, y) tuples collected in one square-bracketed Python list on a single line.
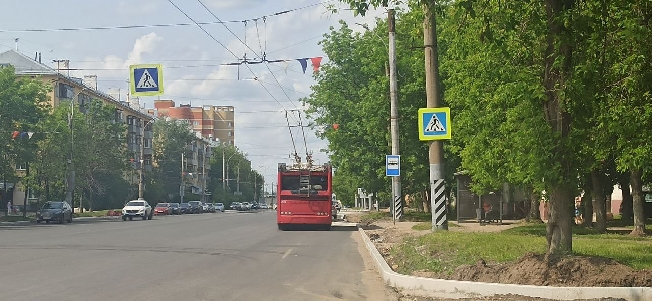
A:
[(146, 79), (434, 124)]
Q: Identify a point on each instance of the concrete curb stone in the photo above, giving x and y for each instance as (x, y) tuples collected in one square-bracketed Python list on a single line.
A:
[(441, 288)]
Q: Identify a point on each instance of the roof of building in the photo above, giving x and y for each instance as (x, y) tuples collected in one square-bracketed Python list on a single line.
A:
[(24, 65), (27, 66)]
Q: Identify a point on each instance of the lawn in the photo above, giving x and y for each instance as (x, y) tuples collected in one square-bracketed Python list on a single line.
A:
[(446, 250)]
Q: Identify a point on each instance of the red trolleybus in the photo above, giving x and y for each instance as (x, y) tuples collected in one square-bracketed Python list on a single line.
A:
[(304, 195)]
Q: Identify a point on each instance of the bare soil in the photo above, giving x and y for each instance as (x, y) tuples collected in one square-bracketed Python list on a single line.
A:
[(530, 269)]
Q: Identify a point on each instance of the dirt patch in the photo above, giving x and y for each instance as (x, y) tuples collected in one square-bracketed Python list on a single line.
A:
[(531, 269)]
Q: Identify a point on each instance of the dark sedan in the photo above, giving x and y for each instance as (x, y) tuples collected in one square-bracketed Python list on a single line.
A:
[(54, 211), (195, 207), (175, 208), (185, 208)]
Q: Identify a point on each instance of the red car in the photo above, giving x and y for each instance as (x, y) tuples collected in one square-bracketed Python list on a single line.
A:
[(162, 209)]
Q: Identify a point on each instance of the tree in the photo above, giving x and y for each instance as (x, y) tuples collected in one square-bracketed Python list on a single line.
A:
[(170, 140), (101, 158), (22, 105)]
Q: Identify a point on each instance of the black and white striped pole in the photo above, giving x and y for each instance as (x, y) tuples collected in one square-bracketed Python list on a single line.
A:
[(434, 121)]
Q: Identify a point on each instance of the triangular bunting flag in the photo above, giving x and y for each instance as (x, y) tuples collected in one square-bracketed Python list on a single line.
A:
[(15, 134), (29, 134), (23, 135), (304, 64), (316, 62)]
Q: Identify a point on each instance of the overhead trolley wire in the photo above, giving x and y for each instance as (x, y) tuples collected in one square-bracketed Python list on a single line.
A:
[(229, 50), (158, 25)]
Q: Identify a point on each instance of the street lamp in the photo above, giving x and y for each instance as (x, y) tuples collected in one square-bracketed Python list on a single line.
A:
[(225, 163), (141, 184), (71, 168)]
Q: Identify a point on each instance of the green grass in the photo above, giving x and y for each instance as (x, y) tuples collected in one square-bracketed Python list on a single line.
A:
[(92, 214), (428, 226), (444, 251), (15, 218)]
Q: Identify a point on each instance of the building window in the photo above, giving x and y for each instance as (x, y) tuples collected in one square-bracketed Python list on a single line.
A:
[(84, 102), (66, 91), (230, 124), (130, 120), (147, 143), (21, 166), (230, 134), (195, 123), (131, 138)]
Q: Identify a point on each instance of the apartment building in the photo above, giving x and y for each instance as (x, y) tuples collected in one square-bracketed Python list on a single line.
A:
[(65, 89), (212, 122), (196, 167)]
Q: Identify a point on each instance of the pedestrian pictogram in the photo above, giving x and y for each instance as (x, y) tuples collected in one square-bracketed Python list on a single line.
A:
[(146, 80), (434, 123)]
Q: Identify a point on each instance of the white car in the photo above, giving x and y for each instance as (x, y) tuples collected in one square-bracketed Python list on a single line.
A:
[(139, 208)]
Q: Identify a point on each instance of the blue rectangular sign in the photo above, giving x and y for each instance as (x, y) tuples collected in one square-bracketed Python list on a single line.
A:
[(393, 165)]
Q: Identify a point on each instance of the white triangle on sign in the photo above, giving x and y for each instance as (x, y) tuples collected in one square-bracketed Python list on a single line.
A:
[(434, 125), (146, 81)]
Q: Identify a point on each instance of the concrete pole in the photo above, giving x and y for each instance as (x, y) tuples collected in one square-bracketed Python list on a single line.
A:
[(223, 170), (433, 98), (182, 187), (203, 172), (393, 90), (141, 185)]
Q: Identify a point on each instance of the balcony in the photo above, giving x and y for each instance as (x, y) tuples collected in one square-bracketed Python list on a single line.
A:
[(147, 151)]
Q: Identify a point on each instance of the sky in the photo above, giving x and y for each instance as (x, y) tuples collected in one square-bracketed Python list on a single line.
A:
[(193, 56)]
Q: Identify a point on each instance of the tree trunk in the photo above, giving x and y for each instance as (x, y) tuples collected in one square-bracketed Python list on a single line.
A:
[(587, 202), (627, 212), (426, 201), (598, 201), (535, 214), (559, 231), (557, 60), (637, 194)]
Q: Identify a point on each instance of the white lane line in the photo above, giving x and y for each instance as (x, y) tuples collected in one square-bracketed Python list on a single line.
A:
[(286, 253)]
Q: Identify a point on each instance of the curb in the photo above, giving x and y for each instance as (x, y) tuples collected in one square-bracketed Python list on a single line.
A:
[(441, 288)]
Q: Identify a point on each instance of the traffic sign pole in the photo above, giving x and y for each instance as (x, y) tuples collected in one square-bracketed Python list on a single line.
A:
[(433, 98), (393, 88)]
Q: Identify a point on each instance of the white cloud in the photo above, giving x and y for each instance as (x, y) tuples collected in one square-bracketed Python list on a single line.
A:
[(145, 44)]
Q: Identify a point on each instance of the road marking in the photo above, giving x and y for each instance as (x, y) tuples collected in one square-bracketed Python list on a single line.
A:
[(286, 253)]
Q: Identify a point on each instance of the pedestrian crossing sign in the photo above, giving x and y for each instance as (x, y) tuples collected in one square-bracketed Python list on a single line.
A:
[(434, 123), (146, 79)]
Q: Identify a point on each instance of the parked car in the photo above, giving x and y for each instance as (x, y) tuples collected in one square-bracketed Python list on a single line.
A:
[(254, 206), (219, 207), (263, 206), (54, 211), (235, 206), (139, 208), (204, 207), (162, 209), (175, 208), (195, 207), (245, 206), (185, 208), (210, 208)]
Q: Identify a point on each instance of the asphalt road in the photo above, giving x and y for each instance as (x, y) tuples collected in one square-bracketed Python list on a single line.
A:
[(219, 256)]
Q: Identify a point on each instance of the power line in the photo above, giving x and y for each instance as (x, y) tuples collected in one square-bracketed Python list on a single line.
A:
[(250, 70), (156, 25)]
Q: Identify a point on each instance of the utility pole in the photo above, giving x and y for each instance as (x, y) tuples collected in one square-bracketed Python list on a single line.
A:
[(393, 90), (223, 171), (237, 188), (141, 184), (182, 187), (433, 99), (203, 172), (71, 170)]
